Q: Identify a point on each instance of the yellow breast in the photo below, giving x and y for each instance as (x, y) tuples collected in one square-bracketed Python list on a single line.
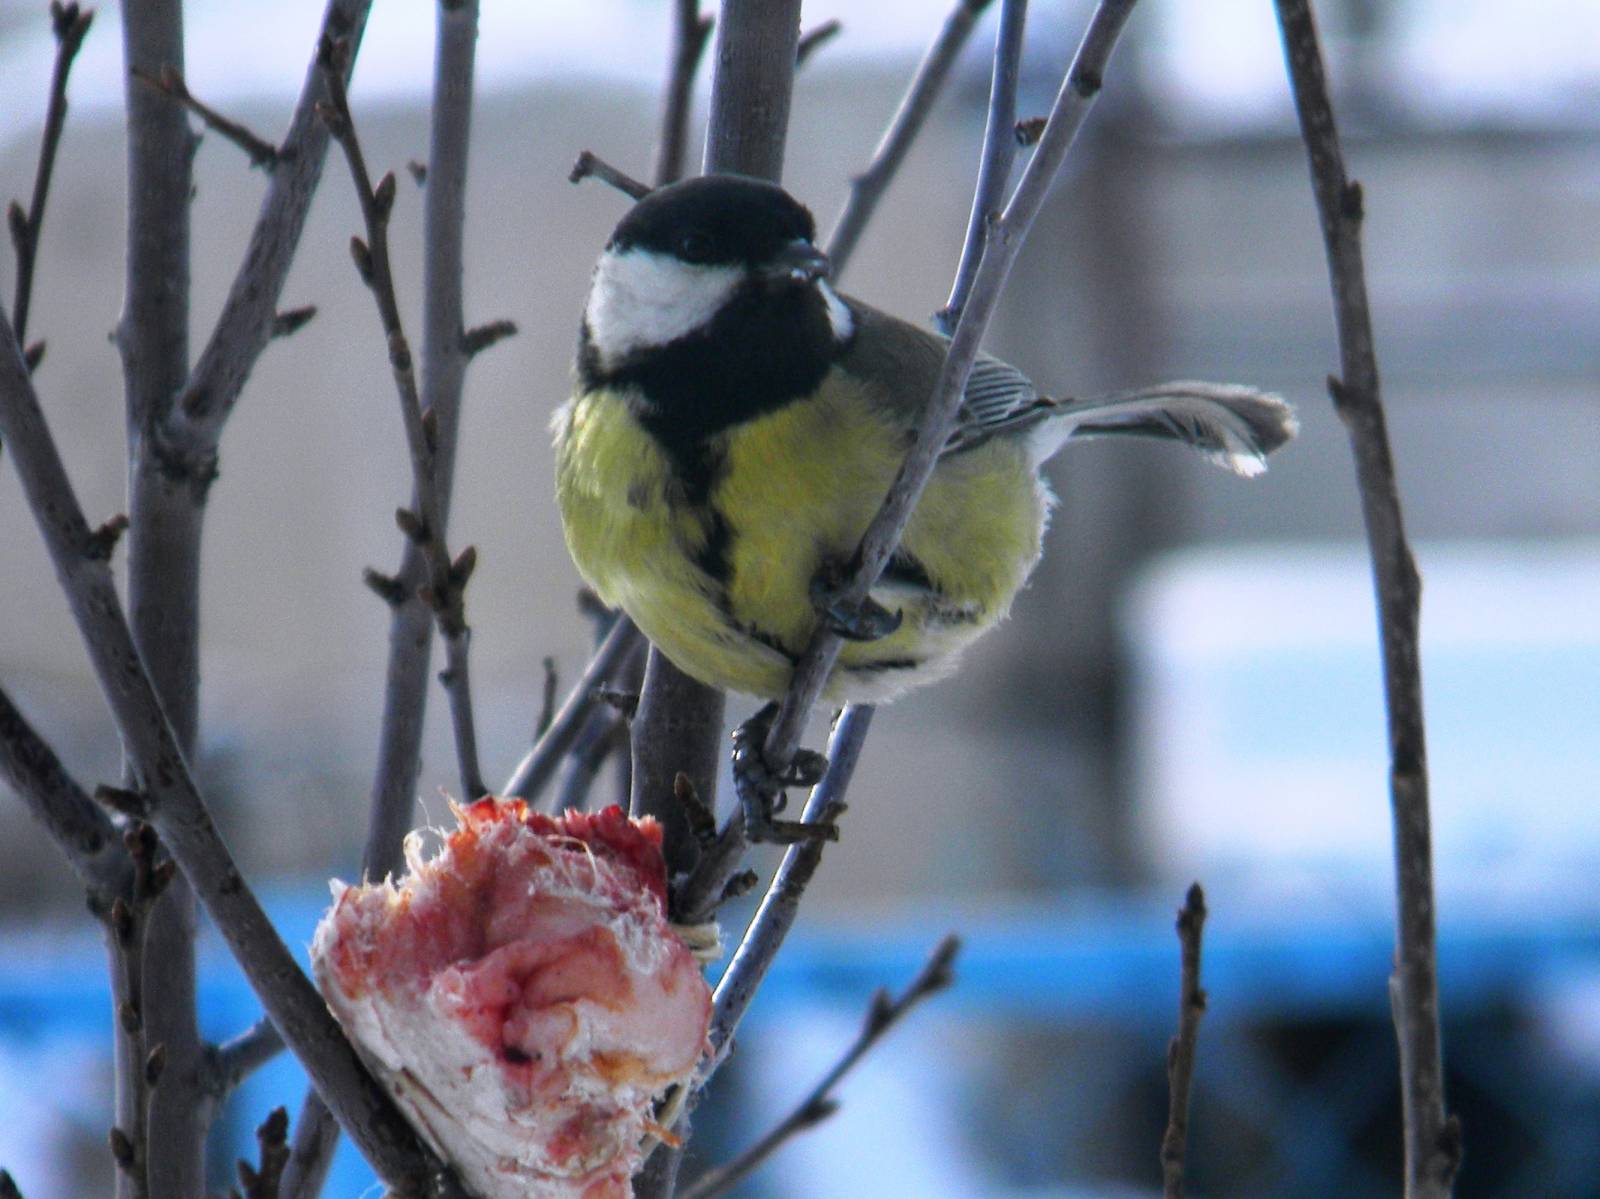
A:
[(796, 491)]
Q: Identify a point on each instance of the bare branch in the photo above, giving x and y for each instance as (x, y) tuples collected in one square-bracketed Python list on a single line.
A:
[(262, 1180), (248, 316), (1001, 247), (884, 1013), (316, 1135), (165, 486), (605, 734), (91, 843), (127, 926), (690, 33), (999, 152), (1432, 1138), (291, 320), (751, 85), (539, 765), (169, 82), (591, 164), (446, 580), (773, 919), (814, 39), (1181, 1050), (176, 808), (229, 1064), (70, 24), (480, 337), (867, 188)]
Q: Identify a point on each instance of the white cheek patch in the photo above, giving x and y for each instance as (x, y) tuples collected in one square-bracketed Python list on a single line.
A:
[(639, 300), (839, 318)]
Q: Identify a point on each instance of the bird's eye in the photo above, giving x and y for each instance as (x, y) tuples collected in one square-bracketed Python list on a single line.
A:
[(695, 247)]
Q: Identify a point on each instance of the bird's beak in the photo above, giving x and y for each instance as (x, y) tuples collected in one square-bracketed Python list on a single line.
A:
[(797, 262)]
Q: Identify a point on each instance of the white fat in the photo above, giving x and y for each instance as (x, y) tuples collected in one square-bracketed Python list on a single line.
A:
[(839, 318), (641, 299)]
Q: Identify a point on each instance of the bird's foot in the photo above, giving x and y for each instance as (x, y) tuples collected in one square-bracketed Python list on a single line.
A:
[(761, 788)]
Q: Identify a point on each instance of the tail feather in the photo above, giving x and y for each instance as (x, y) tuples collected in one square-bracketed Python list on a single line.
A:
[(1233, 425)]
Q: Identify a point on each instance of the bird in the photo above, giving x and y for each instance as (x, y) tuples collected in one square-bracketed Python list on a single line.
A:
[(736, 423)]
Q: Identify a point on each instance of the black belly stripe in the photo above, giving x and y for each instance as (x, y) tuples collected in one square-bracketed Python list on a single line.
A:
[(715, 558), (883, 665), (904, 570)]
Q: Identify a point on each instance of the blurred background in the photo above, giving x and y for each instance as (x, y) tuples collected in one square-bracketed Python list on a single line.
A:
[(1189, 689)]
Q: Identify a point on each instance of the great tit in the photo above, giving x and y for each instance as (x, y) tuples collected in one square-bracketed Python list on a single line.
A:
[(736, 424)]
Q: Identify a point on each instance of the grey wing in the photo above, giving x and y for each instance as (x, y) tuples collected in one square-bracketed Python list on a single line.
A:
[(904, 360), (999, 399)]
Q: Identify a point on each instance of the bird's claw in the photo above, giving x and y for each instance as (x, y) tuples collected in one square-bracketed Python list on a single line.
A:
[(761, 788), (863, 620)]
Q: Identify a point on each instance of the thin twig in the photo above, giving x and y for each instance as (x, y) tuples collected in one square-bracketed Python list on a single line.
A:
[(814, 39), (175, 806), (994, 165), (127, 926), (70, 25), (690, 33), (781, 904), (233, 1061), (246, 323), (262, 1180), (867, 188), (447, 579), (316, 1136), (1001, 247), (883, 1014), (1181, 1049), (590, 164), (605, 734), (78, 826), (169, 82), (1432, 1138), (446, 351), (539, 765)]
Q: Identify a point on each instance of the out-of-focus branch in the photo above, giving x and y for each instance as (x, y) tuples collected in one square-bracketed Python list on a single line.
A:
[(91, 843), (1001, 247), (814, 39), (262, 1180), (591, 164), (170, 83), (70, 24), (173, 804), (867, 188), (540, 764), (230, 1063), (690, 33), (751, 86), (425, 525), (1432, 1138), (1181, 1049), (316, 1136), (883, 1014), (999, 152), (248, 316)]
